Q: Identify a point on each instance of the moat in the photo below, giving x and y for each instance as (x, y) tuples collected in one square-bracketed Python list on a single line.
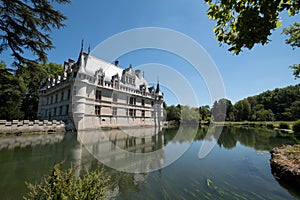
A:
[(237, 168)]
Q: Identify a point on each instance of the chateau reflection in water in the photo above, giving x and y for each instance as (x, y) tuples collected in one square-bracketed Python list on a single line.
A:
[(130, 150)]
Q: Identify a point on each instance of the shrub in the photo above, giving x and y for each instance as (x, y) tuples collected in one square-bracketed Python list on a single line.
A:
[(270, 126), (64, 185), (283, 125), (296, 126)]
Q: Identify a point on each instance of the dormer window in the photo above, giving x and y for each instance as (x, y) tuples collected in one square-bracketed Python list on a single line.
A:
[(100, 80)]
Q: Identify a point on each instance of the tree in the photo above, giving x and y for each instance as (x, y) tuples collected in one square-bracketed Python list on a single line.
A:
[(221, 110), (12, 90), (204, 112), (294, 40), (243, 110), (33, 75), (244, 23), (25, 26), (189, 114), (173, 113)]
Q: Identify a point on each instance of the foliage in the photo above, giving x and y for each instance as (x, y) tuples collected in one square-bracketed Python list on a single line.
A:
[(12, 90), (61, 184), (174, 113), (242, 24), (204, 112), (19, 89), (296, 69), (279, 104), (25, 26), (189, 114), (242, 110), (294, 35), (222, 110), (294, 40), (283, 125), (296, 126), (33, 75)]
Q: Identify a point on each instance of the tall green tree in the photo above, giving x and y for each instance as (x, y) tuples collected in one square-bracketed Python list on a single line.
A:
[(222, 110), (242, 110), (204, 112), (25, 26), (12, 90), (33, 76)]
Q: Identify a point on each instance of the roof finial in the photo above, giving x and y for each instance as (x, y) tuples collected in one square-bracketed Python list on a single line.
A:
[(89, 49), (82, 41)]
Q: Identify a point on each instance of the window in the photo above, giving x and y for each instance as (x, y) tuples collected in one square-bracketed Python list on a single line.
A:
[(60, 110), (69, 93), (51, 99), (143, 113), (143, 102), (132, 101), (62, 96), (114, 111), (67, 109), (152, 103), (98, 95), (115, 97), (56, 98), (54, 112), (98, 110), (116, 84), (100, 80), (131, 113)]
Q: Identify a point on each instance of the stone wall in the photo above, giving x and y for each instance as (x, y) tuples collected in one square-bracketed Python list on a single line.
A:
[(26, 126)]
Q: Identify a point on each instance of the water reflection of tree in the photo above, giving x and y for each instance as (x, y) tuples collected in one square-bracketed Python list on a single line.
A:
[(259, 139)]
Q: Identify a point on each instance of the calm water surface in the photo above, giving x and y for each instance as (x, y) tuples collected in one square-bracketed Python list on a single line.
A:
[(237, 168)]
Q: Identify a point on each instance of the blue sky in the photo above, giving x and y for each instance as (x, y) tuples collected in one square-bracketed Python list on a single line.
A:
[(251, 72)]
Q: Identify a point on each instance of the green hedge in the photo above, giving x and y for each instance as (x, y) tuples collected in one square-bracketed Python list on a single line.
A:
[(296, 126)]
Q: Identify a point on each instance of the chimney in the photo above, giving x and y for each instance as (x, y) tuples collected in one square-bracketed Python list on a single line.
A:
[(116, 63), (138, 72)]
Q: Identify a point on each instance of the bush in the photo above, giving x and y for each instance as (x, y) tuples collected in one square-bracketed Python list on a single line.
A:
[(296, 126), (283, 125), (270, 126), (64, 185)]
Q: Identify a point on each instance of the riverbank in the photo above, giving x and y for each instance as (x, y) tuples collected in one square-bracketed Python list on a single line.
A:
[(285, 164)]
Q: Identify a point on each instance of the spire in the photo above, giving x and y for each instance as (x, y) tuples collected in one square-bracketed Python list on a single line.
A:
[(80, 54), (89, 49), (82, 41), (157, 86)]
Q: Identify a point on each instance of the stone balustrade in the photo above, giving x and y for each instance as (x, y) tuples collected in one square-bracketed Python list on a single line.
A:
[(27, 126)]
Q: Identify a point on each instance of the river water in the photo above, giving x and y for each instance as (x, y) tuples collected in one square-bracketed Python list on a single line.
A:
[(236, 168)]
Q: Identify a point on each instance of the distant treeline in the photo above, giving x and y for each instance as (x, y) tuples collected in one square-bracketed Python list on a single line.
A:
[(279, 104)]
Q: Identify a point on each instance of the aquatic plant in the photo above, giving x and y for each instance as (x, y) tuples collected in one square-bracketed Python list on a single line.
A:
[(60, 184)]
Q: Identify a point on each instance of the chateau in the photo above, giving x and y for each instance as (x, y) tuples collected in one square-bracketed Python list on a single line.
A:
[(92, 93)]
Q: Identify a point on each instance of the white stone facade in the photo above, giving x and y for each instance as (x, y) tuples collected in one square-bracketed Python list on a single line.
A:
[(92, 93)]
